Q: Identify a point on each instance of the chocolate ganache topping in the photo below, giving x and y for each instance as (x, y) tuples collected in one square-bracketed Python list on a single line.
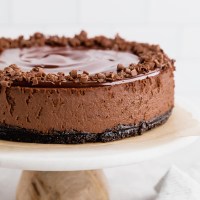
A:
[(66, 59), (54, 61)]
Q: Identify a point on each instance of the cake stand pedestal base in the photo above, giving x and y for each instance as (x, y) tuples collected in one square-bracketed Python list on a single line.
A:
[(70, 185)]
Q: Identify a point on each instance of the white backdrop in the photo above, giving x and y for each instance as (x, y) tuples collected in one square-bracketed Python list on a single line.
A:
[(174, 24)]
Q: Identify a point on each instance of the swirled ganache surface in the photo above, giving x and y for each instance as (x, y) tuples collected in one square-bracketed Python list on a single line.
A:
[(80, 60)]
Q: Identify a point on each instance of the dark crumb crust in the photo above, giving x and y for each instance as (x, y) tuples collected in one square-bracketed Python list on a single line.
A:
[(74, 137), (151, 57)]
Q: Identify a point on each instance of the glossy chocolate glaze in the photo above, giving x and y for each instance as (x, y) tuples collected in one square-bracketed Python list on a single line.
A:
[(65, 59), (81, 61)]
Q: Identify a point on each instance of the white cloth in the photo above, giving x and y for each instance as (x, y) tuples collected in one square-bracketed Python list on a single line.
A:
[(177, 185)]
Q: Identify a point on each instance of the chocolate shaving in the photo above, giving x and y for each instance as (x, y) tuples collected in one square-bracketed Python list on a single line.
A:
[(73, 74), (84, 78)]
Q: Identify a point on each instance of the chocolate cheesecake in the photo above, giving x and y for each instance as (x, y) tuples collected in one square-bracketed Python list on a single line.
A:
[(76, 90)]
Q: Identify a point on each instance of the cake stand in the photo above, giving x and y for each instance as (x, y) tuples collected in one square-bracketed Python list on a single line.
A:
[(73, 171)]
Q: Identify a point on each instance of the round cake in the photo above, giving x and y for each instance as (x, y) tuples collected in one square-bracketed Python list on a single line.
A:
[(76, 90)]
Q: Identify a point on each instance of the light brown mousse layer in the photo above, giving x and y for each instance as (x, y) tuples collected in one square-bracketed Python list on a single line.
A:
[(89, 109)]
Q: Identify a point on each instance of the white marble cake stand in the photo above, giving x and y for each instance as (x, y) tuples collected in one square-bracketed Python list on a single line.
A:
[(67, 160)]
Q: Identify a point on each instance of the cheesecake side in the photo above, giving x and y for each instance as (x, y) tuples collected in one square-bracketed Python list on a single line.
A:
[(48, 111)]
